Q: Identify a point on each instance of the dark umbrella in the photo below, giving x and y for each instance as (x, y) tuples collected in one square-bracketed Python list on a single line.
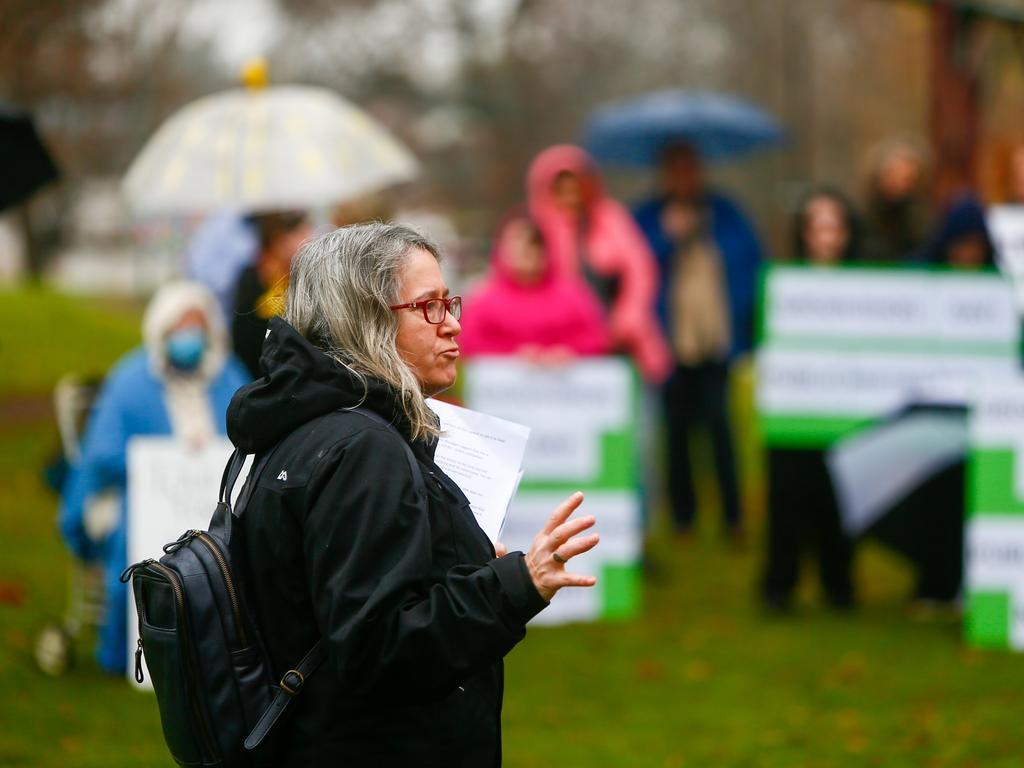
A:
[(27, 165), (635, 132)]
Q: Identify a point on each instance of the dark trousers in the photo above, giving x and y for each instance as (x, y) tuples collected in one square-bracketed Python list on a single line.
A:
[(802, 511), (928, 529), (697, 395)]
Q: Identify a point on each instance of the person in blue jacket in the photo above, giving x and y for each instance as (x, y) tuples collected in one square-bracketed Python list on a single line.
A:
[(178, 383), (698, 393)]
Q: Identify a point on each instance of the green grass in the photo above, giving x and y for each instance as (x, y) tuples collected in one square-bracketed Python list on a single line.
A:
[(702, 679), (44, 335)]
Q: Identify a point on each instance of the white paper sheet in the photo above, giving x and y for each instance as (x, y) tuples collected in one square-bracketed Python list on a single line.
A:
[(484, 456)]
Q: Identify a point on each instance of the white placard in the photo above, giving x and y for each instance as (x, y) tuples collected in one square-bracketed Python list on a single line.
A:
[(997, 421), (998, 415), (170, 490), (868, 384), (567, 408), (995, 553), (618, 522), (1017, 617), (484, 456), (560, 454), (889, 304), (1006, 225)]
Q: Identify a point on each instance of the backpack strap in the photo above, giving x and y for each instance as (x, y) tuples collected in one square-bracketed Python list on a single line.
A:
[(224, 515), (231, 472), (293, 680), (291, 684)]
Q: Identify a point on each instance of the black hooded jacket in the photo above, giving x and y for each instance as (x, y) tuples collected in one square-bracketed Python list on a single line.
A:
[(416, 609)]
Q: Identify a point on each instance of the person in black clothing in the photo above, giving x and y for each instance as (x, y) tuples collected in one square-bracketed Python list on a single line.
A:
[(927, 527), (802, 508), (898, 219), (259, 294), (416, 605), (961, 240)]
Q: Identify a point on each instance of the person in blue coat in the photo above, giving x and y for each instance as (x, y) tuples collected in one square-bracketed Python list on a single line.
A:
[(178, 383), (698, 392)]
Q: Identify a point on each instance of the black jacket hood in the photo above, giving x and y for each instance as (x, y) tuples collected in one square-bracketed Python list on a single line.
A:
[(300, 383)]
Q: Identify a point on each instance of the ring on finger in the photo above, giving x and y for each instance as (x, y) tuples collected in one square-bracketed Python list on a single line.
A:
[(558, 558)]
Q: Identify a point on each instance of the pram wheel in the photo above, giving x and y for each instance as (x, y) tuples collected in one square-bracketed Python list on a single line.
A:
[(54, 650)]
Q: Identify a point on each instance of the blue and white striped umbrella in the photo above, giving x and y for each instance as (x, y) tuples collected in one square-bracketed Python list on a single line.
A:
[(635, 132), (262, 149)]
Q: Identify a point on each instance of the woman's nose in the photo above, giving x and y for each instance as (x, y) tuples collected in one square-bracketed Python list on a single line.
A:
[(450, 326)]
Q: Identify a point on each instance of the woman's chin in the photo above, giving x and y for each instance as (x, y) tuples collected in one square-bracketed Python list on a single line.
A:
[(440, 383)]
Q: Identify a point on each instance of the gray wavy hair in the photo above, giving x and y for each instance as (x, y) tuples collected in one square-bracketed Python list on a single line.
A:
[(340, 288)]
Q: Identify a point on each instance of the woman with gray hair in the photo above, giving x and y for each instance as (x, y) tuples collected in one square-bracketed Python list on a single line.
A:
[(352, 539)]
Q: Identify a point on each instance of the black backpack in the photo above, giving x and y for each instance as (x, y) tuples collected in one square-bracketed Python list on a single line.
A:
[(208, 665)]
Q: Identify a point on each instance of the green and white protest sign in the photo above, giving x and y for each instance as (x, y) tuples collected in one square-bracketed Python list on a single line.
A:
[(994, 573), (582, 419), (842, 347)]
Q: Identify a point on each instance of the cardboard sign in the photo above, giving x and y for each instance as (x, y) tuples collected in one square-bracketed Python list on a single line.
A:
[(843, 347), (994, 536), (171, 489), (583, 432)]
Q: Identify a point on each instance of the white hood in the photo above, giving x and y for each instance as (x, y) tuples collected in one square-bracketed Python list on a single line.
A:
[(166, 307)]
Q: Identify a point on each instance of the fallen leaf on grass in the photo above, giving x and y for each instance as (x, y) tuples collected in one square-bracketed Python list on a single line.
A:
[(697, 670), (12, 593), (650, 670)]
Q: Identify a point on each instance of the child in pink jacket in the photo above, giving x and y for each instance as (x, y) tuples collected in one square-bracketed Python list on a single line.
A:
[(524, 307)]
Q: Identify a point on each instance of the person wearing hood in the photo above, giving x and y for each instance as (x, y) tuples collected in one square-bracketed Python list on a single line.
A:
[(962, 239), (927, 527), (415, 605), (178, 383), (588, 234), (525, 308)]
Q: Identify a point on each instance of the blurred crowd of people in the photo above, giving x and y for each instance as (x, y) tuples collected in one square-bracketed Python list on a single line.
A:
[(671, 284)]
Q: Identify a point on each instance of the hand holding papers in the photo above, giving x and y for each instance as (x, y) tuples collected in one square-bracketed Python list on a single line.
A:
[(484, 456)]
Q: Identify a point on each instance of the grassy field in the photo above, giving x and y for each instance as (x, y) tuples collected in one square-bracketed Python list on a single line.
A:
[(702, 679)]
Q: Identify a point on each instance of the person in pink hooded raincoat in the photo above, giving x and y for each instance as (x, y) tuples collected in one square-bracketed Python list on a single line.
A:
[(591, 236), (525, 308)]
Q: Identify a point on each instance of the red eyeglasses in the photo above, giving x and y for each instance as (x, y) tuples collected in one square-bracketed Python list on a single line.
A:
[(434, 310)]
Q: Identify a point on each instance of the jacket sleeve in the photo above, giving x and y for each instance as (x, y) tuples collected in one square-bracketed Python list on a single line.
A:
[(743, 255), (368, 552), (633, 321)]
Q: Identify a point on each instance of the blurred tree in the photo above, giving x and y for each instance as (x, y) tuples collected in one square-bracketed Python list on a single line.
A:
[(482, 86), (478, 87), (99, 75)]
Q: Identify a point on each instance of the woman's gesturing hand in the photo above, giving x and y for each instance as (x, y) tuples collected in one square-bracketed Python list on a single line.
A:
[(554, 546)]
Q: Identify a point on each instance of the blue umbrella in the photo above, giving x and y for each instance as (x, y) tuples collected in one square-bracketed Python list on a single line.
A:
[(634, 132)]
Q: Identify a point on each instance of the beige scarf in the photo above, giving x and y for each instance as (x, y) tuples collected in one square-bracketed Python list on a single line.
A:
[(698, 305)]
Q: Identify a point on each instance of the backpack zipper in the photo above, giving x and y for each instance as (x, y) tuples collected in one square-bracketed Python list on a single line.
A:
[(179, 599), (229, 583)]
